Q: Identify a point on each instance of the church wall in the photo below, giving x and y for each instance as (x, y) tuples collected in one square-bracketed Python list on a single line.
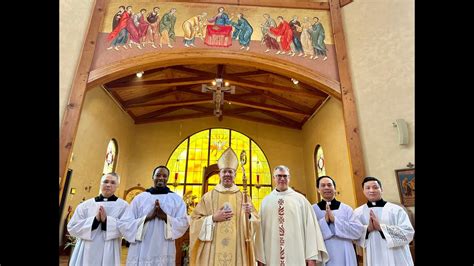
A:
[(101, 120), (154, 143), (73, 22), (326, 128), (381, 56)]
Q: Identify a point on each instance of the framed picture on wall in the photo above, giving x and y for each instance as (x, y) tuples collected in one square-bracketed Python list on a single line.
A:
[(406, 186)]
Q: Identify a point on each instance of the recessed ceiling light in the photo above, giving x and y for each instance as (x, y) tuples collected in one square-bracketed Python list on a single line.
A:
[(140, 74)]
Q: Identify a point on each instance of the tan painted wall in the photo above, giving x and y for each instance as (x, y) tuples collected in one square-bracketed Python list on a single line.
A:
[(381, 56), (326, 128), (101, 120), (380, 50), (154, 143), (73, 22)]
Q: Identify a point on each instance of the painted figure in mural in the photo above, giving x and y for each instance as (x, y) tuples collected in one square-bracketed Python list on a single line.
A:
[(284, 34), (306, 42), (143, 26), (95, 224), (117, 16), (243, 31), (167, 28), (193, 27), (338, 224), (119, 36), (221, 18), (295, 26), (387, 228), (152, 223), (268, 38), (133, 28), (219, 234), (152, 35), (289, 230), (317, 37)]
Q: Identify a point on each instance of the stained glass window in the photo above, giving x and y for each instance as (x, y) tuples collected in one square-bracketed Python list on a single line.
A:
[(188, 161), (110, 161), (320, 161)]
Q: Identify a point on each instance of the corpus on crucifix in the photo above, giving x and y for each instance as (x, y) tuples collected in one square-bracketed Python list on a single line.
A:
[(218, 88)]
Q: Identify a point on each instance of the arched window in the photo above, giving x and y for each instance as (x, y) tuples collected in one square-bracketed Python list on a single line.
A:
[(193, 165), (319, 165), (319, 161), (110, 161)]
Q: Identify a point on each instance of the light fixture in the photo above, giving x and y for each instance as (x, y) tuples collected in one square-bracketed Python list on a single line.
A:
[(295, 81), (140, 74), (226, 84), (73, 191)]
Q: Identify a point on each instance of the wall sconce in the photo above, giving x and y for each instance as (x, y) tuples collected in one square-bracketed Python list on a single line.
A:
[(402, 127), (73, 191)]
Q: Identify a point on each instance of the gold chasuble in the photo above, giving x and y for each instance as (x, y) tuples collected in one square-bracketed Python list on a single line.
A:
[(222, 243), (226, 232)]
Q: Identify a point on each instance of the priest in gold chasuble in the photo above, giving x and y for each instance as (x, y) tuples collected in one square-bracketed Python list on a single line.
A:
[(219, 234)]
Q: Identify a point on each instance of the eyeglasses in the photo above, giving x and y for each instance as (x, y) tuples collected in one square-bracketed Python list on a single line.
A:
[(282, 176)]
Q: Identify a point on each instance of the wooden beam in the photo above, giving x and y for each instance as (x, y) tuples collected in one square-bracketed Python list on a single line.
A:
[(160, 83), (79, 84), (277, 98), (158, 112), (262, 106), (267, 87), (171, 118), (251, 73), (172, 57), (134, 76), (345, 2), (263, 120), (193, 71), (281, 118), (174, 103), (348, 102), (148, 97)]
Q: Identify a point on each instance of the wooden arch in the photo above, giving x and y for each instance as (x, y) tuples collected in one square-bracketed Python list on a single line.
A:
[(150, 61)]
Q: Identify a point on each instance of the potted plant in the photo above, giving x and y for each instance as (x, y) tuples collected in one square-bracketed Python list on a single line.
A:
[(70, 243), (185, 250)]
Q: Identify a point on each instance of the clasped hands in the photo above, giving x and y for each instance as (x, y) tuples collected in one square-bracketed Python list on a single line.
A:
[(156, 212), (101, 216), (374, 224)]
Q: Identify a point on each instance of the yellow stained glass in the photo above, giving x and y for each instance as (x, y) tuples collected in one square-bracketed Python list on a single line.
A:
[(218, 144), (240, 142), (258, 195), (177, 163), (110, 157), (204, 149), (320, 162), (214, 179)]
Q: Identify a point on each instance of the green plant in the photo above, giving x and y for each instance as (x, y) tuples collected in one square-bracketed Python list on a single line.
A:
[(185, 247)]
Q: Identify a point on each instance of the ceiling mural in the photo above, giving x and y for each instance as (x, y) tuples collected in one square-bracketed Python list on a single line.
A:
[(301, 36)]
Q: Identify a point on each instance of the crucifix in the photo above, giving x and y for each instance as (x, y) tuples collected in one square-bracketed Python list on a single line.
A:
[(218, 88)]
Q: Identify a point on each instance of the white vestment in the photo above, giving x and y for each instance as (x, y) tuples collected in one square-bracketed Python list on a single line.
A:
[(398, 233), (96, 247), (152, 243), (338, 236), (289, 232)]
